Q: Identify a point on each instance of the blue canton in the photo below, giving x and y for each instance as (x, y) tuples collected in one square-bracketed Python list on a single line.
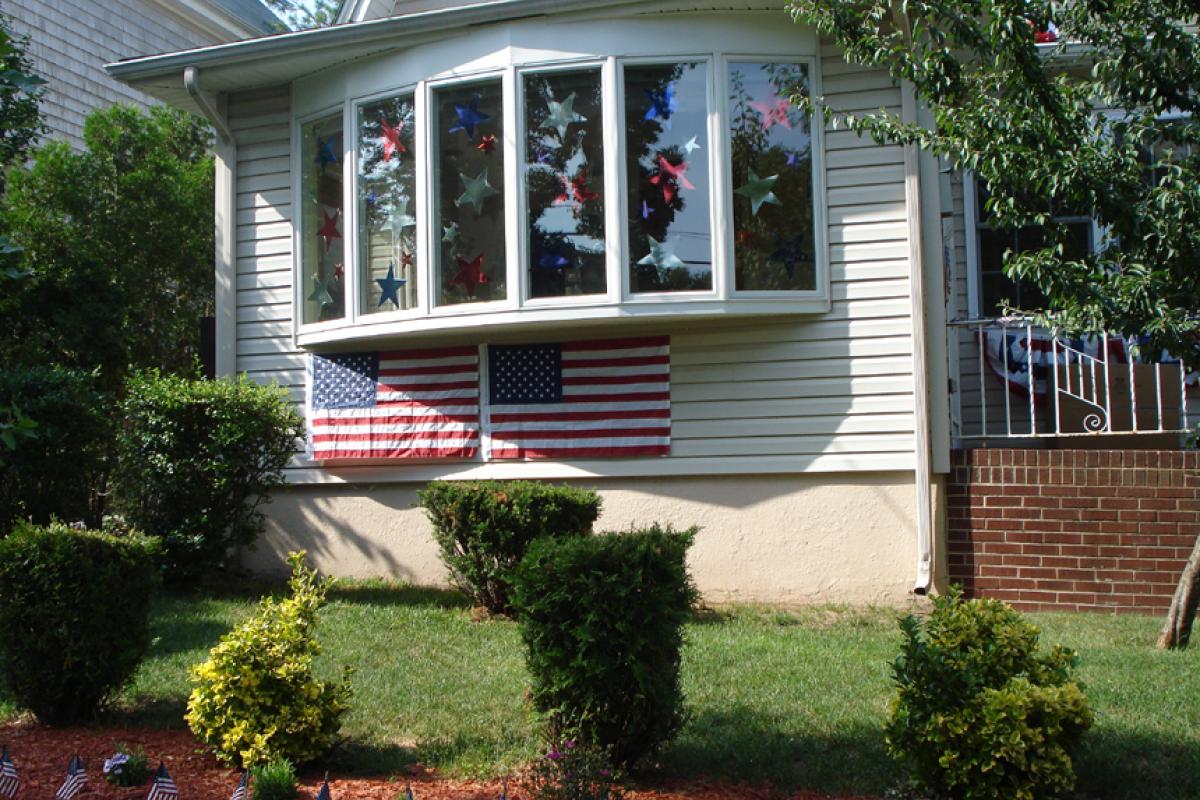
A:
[(529, 373), (346, 380)]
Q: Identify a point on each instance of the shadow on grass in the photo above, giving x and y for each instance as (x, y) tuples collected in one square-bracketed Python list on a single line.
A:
[(376, 593), (147, 712), (370, 759), (1135, 766), (171, 636)]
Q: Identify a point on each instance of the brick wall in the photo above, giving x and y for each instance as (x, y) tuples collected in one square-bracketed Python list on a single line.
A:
[(1073, 529)]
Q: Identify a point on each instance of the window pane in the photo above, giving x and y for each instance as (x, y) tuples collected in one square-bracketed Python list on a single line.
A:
[(666, 142), (387, 205), (322, 221), (564, 183), (771, 149), (469, 183)]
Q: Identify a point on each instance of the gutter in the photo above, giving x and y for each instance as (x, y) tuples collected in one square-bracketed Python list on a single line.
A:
[(191, 82)]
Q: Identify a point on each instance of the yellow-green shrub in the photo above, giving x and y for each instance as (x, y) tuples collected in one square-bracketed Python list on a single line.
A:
[(256, 698)]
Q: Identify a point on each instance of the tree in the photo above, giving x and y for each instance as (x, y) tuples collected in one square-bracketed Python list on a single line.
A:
[(20, 92), (304, 14), (118, 244), (1103, 120)]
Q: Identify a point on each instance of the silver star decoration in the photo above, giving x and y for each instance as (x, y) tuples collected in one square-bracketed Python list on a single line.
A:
[(562, 115), (661, 255), (450, 233), (759, 191), (691, 145), (401, 219), (320, 294), (475, 190)]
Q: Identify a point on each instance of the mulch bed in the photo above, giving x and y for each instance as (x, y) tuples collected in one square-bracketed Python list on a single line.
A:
[(41, 755)]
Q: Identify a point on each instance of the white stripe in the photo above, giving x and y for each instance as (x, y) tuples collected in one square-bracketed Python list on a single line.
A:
[(581, 425), (620, 441), (628, 352), (424, 395), (394, 428), (565, 408), (415, 363), (450, 377), (395, 411), (661, 371), (651, 385), (424, 444)]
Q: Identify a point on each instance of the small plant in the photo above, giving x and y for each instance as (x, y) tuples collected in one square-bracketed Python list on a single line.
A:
[(602, 620), (129, 766), (274, 780), (979, 714), (574, 772), (256, 699), (74, 616), (484, 529)]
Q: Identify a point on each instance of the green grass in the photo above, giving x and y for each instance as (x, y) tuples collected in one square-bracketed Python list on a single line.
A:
[(795, 697)]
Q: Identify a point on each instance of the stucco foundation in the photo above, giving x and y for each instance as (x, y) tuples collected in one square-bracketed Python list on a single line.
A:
[(778, 539)]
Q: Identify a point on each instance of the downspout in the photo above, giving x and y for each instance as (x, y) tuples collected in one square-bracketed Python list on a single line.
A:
[(921, 429), (224, 211)]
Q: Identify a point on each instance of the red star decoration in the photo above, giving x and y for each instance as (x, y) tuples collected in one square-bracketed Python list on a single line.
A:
[(339, 270), (774, 111), (579, 184), (328, 230), (486, 144), (470, 274), (743, 237), (670, 177), (391, 138), (406, 259)]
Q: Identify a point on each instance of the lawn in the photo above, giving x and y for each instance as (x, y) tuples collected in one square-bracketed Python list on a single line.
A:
[(795, 697)]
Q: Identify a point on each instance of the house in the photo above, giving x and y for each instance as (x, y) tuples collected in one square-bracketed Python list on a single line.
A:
[(70, 41), (592, 242)]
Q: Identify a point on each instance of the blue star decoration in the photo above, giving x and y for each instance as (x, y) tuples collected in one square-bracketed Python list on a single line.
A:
[(468, 117), (788, 252), (552, 260), (325, 153), (662, 104), (389, 286)]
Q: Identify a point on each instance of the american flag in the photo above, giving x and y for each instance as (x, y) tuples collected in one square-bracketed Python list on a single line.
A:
[(399, 404), (76, 779), (239, 793), (408, 793), (580, 399), (9, 782), (324, 793), (163, 787)]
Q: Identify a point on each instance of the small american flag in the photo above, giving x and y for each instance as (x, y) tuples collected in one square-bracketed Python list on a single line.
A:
[(580, 399), (400, 404), (76, 780), (324, 793), (163, 787), (239, 793), (9, 783), (408, 794)]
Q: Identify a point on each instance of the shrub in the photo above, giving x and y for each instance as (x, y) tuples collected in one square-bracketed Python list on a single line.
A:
[(74, 616), (195, 460), (602, 621), (274, 780), (58, 471), (484, 529), (978, 713), (256, 698)]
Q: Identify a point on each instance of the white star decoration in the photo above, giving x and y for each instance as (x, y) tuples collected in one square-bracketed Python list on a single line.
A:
[(562, 115), (661, 255)]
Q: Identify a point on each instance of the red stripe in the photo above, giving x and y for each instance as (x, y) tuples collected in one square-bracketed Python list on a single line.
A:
[(628, 397), (616, 344), (436, 402), (582, 452), (580, 416), (579, 433), (631, 361), (421, 418), (414, 438), (425, 387), (611, 380), (438, 352), (442, 369), (385, 455)]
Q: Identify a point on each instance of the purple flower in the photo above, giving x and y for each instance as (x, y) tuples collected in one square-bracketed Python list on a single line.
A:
[(605, 772), (569, 744), (554, 755)]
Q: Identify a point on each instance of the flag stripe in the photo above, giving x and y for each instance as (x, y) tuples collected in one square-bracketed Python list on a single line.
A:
[(535, 451), (582, 416)]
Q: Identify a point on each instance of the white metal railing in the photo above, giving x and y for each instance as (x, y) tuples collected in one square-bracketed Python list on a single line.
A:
[(1012, 379)]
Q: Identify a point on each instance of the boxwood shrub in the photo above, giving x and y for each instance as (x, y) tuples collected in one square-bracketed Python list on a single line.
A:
[(74, 616), (484, 528), (602, 621), (196, 458), (979, 713)]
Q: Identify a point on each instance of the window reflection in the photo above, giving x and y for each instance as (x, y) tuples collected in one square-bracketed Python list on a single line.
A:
[(387, 207), (322, 220)]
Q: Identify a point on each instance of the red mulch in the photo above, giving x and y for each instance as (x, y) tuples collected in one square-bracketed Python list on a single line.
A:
[(41, 755)]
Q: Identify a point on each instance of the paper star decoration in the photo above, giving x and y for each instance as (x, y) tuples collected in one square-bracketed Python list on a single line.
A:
[(450, 233), (670, 177), (372, 198), (401, 219), (487, 144), (389, 286), (325, 154), (320, 294), (661, 255), (339, 271), (391, 138), (662, 104), (788, 253), (793, 158), (774, 111), (743, 237), (690, 145), (468, 117), (406, 259), (645, 210), (328, 230), (561, 115), (553, 260), (470, 274), (759, 191), (475, 190)]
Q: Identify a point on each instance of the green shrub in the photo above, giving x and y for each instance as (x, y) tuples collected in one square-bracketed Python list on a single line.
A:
[(978, 713), (195, 460), (74, 616), (58, 471), (484, 529), (602, 620), (572, 771), (274, 780), (256, 698)]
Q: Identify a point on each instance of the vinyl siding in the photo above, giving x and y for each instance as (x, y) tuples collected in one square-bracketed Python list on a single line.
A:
[(820, 392)]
